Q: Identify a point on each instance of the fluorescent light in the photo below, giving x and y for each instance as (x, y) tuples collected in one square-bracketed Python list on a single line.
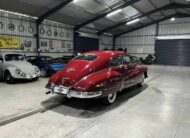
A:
[(19, 14), (74, 1), (172, 19), (133, 21), (114, 12)]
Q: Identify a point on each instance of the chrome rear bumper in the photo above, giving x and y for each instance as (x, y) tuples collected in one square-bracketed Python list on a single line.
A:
[(72, 93)]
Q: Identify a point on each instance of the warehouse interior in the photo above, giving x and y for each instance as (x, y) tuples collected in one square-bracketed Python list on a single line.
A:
[(59, 28)]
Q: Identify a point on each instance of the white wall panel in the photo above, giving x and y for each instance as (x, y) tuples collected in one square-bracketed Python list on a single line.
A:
[(145, 38), (144, 31), (139, 43), (177, 28), (106, 42)]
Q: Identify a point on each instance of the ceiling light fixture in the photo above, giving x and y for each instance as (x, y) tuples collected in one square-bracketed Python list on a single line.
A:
[(74, 1), (172, 19), (19, 14), (114, 12), (133, 21)]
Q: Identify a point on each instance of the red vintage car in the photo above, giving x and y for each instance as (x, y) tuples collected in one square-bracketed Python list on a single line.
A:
[(97, 74)]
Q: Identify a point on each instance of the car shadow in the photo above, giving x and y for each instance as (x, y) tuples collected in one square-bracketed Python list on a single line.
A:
[(89, 108), (20, 81)]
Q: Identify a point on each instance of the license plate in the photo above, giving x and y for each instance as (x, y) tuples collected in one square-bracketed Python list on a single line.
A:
[(60, 90)]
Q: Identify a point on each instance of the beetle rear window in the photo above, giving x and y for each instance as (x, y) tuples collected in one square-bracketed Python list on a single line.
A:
[(86, 57)]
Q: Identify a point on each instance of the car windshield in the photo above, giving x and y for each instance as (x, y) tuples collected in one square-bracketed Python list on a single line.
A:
[(56, 60), (86, 57), (47, 59), (17, 57)]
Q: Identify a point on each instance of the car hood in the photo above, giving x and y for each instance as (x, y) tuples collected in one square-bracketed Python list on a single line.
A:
[(24, 66), (57, 66)]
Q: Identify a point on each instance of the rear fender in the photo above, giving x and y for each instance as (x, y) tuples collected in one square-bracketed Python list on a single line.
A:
[(102, 80)]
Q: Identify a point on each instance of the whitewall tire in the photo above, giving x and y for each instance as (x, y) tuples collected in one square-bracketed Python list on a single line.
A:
[(43, 72), (110, 99)]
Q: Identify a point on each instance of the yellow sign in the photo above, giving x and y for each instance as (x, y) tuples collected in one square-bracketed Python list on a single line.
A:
[(9, 43)]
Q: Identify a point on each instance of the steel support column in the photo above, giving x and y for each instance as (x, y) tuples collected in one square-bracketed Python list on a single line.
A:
[(37, 39), (157, 29), (114, 40), (75, 34)]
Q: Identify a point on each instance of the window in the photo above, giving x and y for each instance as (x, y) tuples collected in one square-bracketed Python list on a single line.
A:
[(17, 57), (46, 59), (115, 61), (126, 60), (86, 57)]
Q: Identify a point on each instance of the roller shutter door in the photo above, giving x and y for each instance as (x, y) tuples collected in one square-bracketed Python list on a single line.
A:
[(173, 52), (84, 44)]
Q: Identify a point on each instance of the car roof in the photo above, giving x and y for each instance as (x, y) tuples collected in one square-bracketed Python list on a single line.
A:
[(11, 54), (106, 53)]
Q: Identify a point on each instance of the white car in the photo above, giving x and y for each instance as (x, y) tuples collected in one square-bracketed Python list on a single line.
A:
[(14, 66)]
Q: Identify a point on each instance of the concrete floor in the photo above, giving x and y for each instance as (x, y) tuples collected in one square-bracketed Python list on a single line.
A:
[(161, 109)]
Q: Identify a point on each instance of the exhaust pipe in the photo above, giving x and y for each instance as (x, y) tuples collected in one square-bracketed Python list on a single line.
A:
[(48, 92)]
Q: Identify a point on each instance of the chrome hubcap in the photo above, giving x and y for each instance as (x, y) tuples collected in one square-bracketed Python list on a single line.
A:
[(112, 97), (43, 72)]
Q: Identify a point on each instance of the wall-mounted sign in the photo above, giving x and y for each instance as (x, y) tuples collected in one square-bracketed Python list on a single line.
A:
[(21, 28), (62, 34), (9, 43), (11, 27), (27, 43), (49, 33), (69, 44), (68, 35), (42, 31), (30, 29), (56, 33), (44, 43)]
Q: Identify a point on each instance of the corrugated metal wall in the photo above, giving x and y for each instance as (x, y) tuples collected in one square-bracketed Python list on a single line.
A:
[(139, 43), (106, 42), (179, 26), (142, 42), (55, 39)]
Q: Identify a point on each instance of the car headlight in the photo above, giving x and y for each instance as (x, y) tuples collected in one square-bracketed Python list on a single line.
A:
[(17, 71), (37, 69), (23, 74)]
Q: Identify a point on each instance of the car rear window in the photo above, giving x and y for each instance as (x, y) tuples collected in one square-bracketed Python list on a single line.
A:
[(86, 57)]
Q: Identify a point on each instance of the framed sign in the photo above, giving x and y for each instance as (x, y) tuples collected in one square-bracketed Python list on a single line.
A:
[(21, 28), (11, 27)]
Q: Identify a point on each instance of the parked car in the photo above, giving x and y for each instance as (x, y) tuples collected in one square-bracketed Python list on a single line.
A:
[(14, 66), (99, 74), (150, 59), (64, 59), (135, 60), (48, 65)]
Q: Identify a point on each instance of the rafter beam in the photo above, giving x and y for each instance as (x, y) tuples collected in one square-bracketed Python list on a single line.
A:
[(166, 7), (52, 11), (104, 14), (157, 21)]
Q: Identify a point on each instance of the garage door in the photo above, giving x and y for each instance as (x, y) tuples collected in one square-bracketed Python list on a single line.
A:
[(86, 44), (173, 52)]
